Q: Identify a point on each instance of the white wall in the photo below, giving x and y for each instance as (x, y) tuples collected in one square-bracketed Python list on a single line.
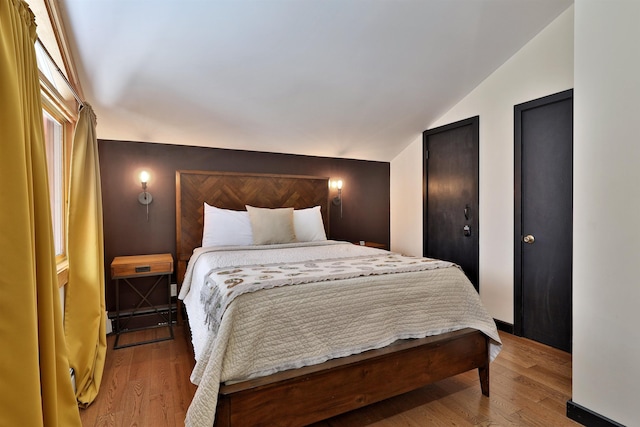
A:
[(606, 284), (542, 67), (406, 200)]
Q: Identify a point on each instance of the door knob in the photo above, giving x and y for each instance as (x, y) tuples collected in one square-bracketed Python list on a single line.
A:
[(529, 239)]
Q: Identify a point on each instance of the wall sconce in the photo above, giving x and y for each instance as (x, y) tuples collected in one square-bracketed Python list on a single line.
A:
[(337, 200), (145, 197)]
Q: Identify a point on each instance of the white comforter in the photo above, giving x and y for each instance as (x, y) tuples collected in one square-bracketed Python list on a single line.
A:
[(293, 326)]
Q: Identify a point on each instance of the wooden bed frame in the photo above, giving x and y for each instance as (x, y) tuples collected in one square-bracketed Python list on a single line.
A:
[(310, 394)]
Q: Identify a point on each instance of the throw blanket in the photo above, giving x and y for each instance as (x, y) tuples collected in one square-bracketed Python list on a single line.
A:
[(223, 285)]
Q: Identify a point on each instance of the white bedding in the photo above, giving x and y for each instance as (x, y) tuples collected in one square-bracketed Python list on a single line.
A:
[(292, 326)]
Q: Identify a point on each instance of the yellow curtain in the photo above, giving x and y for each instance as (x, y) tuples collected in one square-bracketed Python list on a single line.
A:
[(84, 319), (35, 385)]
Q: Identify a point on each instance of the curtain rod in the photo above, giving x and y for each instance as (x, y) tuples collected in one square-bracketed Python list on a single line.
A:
[(73, 91)]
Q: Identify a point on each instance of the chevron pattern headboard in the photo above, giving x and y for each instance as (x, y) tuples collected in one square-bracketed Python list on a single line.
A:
[(230, 190)]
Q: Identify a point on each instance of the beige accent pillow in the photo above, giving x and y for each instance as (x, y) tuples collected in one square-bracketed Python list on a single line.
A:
[(270, 226)]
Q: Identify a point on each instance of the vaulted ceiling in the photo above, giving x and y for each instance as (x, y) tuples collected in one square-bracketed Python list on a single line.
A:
[(342, 78)]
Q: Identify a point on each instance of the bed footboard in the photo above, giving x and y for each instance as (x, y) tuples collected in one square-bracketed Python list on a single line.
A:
[(310, 394)]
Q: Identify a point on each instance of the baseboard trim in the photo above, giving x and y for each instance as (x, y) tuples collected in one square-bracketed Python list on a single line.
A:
[(587, 417), (504, 326)]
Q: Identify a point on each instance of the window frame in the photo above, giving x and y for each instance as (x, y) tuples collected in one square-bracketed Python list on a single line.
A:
[(57, 107), (62, 104), (57, 172)]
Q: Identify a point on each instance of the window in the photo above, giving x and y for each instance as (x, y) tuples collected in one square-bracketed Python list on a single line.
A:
[(54, 143), (59, 113), (58, 121)]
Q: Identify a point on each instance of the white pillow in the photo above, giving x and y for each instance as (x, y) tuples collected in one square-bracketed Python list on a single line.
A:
[(224, 227), (271, 226), (308, 225)]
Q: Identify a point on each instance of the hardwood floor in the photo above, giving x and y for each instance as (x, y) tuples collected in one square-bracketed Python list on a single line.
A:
[(148, 385)]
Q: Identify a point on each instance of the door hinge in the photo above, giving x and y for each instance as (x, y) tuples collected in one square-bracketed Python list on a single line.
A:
[(426, 155)]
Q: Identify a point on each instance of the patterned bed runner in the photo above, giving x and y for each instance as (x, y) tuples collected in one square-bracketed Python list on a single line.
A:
[(223, 285)]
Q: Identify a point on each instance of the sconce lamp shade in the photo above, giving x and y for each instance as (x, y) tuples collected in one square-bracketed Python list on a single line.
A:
[(145, 197), (337, 200)]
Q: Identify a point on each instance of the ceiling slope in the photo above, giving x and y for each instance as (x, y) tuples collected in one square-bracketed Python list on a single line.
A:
[(340, 78)]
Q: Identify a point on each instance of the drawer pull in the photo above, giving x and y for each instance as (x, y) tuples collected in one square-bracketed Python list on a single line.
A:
[(143, 269)]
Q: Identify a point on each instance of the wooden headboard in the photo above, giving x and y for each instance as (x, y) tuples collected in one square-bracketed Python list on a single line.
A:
[(230, 190)]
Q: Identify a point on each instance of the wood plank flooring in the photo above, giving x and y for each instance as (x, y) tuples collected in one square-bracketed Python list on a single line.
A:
[(148, 385)]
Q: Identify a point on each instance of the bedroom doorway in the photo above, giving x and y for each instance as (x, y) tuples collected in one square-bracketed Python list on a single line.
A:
[(451, 194), (544, 219)]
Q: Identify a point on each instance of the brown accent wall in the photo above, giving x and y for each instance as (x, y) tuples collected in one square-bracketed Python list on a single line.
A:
[(365, 194)]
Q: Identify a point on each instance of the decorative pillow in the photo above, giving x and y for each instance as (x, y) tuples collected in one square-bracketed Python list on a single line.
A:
[(271, 226), (308, 225), (224, 227)]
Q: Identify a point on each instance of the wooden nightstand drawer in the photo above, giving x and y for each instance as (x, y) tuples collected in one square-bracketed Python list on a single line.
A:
[(141, 265)]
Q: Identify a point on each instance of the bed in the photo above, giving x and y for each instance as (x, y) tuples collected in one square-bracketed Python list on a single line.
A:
[(320, 351)]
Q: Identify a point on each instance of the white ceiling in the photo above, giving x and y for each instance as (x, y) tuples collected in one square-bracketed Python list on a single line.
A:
[(341, 78)]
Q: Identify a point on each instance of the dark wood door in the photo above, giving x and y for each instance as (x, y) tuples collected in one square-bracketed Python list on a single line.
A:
[(544, 219), (451, 194)]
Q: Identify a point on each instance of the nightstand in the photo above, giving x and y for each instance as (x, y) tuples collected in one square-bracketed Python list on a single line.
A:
[(129, 268), (371, 244)]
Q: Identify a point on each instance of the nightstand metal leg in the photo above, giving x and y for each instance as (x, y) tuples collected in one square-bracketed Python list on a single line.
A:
[(115, 345), (170, 308), (144, 298)]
